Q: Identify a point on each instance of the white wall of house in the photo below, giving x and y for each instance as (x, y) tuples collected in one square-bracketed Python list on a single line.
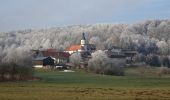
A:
[(38, 66), (70, 52)]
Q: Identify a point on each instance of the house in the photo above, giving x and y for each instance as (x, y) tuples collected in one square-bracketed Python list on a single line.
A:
[(130, 56), (115, 52), (48, 61), (49, 57), (40, 62), (125, 55)]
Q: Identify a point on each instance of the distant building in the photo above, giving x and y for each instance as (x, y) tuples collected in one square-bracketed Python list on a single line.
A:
[(83, 47), (122, 54), (73, 48), (43, 61), (115, 52), (49, 57)]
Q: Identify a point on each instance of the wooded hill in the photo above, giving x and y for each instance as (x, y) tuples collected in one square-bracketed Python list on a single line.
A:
[(151, 36)]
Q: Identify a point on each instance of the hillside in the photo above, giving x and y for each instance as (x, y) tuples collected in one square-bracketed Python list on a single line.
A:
[(143, 35)]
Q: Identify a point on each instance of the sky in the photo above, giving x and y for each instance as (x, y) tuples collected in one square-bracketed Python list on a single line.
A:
[(37, 14)]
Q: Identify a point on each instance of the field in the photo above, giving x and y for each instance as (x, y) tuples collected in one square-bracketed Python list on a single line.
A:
[(137, 84)]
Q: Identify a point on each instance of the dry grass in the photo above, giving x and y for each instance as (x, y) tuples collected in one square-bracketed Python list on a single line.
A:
[(75, 93), (84, 86)]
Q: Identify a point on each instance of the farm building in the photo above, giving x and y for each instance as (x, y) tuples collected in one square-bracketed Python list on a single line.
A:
[(126, 56), (49, 57), (43, 61)]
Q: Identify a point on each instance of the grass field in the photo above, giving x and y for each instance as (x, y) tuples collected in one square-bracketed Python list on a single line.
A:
[(137, 84)]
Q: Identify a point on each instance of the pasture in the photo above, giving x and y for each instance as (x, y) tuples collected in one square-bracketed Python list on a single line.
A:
[(137, 84)]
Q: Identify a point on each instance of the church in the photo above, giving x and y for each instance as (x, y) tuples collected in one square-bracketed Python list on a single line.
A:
[(84, 47)]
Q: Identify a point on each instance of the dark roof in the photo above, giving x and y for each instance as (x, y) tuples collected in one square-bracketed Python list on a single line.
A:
[(39, 58), (53, 53), (117, 56)]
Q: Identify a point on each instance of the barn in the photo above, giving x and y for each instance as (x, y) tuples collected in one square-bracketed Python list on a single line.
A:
[(49, 57)]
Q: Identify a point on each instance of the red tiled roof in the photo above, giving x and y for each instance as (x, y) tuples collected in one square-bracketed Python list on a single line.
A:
[(74, 48)]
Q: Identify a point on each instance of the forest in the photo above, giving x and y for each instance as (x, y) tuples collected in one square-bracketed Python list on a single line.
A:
[(151, 38)]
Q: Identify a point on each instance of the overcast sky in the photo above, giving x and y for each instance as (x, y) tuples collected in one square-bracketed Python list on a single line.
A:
[(26, 14)]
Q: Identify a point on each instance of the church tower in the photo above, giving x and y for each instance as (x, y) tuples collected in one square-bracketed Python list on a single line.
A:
[(83, 42)]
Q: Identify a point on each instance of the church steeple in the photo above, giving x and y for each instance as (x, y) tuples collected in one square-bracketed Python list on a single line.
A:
[(83, 36), (83, 40)]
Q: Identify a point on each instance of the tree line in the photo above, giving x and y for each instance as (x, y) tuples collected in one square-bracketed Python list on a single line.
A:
[(151, 38)]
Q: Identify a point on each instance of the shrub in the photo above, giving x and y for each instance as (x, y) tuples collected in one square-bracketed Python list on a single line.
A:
[(153, 60), (166, 61), (75, 59), (12, 71), (101, 64), (163, 70), (16, 65)]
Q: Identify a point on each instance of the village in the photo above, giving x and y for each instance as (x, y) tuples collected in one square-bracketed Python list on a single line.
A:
[(85, 50), (53, 59)]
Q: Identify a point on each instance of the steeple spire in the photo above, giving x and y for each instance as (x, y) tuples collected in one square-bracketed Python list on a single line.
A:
[(83, 36)]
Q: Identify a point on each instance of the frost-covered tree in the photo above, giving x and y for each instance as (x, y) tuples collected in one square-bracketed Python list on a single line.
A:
[(75, 59), (101, 64), (147, 37), (16, 65), (163, 47)]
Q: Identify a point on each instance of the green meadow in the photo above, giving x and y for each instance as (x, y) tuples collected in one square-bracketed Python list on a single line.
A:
[(137, 84)]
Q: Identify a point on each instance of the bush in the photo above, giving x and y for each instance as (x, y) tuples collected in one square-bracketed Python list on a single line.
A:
[(153, 60), (16, 65), (113, 69), (166, 61), (75, 59), (163, 70), (101, 64), (12, 71)]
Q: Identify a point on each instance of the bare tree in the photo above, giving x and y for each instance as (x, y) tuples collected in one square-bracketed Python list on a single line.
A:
[(75, 59), (101, 64)]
